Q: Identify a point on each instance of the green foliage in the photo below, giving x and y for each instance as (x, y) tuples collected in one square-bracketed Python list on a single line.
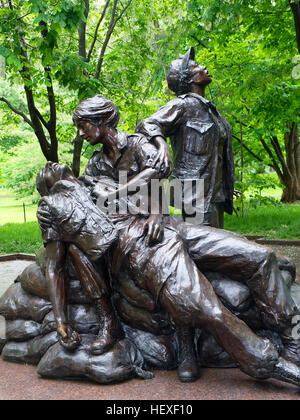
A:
[(12, 210), (26, 160), (248, 46), (256, 188)]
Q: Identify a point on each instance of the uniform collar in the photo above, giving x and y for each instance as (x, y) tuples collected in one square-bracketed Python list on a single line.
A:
[(195, 95), (117, 149), (203, 100)]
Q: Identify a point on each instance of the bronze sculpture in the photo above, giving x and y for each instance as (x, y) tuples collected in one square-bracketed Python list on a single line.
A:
[(191, 300), (162, 259), (201, 138), (149, 265)]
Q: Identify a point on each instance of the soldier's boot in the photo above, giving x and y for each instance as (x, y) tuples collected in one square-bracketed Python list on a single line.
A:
[(110, 331), (291, 344), (188, 370), (287, 372)]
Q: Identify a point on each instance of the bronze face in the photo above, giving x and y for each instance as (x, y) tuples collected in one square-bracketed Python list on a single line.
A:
[(90, 132), (200, 75), (54, 172)]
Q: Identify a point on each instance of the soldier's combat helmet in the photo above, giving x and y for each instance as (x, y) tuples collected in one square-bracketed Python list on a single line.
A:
[(179, 73)]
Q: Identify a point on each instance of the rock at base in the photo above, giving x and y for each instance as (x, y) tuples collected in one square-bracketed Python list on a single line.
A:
[(122, 362)]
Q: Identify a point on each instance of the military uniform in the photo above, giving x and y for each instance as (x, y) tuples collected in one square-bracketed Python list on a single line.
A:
[(201, 141)]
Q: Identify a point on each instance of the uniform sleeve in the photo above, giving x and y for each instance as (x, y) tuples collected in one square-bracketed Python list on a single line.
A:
[(145, 153), (165, 121), (51, 233)]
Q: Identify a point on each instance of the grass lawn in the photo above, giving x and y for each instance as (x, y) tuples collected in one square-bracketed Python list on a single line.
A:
[(275, 222), (15, 235), (20, 237), (11, 209)]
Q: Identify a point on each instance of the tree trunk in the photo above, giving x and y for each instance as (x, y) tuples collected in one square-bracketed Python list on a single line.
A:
[(78, 142), (291, 178), (82, 31), (295, 6)]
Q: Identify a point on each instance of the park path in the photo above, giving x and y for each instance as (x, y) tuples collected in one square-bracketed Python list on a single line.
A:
[(9, 271), (214, 384)]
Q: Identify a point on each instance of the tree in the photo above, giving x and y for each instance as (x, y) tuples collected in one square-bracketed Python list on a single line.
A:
[(29, 38), (89, 48), (38, 45)]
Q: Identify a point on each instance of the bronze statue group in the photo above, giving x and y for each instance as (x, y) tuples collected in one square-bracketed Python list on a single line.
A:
[(163, 256)]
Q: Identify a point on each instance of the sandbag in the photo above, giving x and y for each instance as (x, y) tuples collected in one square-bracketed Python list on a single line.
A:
[(233, 294), (83, 318), (122, 362), (156, 323), (2, 344), (133, 294), (285, 264), (34, 282), (211, 354), (21, 330), (287, 278), (159, 352), (295, 292), (41, 259), (18, 304), (29, 352)]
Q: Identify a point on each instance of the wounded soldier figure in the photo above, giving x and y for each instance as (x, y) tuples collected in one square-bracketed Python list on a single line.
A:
[(89, 234), (165, 269)]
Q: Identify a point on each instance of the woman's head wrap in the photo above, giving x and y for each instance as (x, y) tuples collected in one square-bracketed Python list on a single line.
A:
[(97, 110)]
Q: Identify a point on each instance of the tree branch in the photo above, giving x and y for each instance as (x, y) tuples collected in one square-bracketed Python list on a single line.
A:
[(51, 99), (248, 150), (278, 150), (36, 117), (16, 111), (200, 42), (107, 38), (123, 11), (111, 28), (270, 153), (96, 31)]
